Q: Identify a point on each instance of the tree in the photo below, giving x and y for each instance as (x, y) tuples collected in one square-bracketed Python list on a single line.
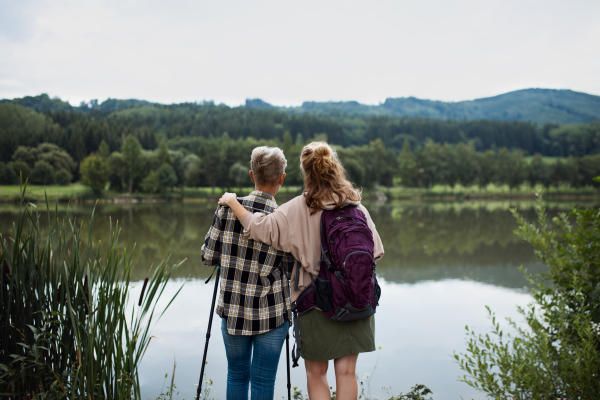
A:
[(94, 173), (166, 177), (466, 164), (20, 126), (116, 171), (572, 174), (177, 157), (163, 153), (539, 172), (512, 168), (488, 168), (356, 172), (151, 183), (210, 155), (408, 168), (558, 173), (287, 143), (448, 173), (238, 174), (42, 174), (103, 149), (133, 159), (194, 176), (380, 163), (77, 144), (431, 159)]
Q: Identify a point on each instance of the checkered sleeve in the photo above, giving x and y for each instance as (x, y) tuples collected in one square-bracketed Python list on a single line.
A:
[(211, 249), (288, 264)]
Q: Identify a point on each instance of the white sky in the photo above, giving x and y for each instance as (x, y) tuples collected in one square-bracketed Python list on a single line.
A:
[(288, 52)]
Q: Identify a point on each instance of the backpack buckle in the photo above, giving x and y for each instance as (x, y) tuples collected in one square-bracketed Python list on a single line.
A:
[(343, 312)]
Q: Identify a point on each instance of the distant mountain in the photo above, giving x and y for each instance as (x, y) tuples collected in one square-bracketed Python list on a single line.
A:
[(257, 103), (40, 103), (43, 103), (539, 106), (535, 105)]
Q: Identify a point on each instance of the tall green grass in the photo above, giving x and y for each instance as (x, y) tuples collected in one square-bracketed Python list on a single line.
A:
[(69, 328)]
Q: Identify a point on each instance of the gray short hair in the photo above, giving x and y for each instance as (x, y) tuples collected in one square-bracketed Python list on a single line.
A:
[(268, 164)]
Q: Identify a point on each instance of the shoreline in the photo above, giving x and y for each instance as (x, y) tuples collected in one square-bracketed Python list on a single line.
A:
[(77, 193)]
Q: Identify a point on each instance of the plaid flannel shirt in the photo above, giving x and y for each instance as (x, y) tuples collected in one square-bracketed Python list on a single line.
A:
[(255, 291)]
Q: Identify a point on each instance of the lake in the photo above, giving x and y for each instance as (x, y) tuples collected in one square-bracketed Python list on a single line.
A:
[(443, 263)]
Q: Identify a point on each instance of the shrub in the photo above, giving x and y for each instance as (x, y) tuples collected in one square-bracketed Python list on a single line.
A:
[(7, 175), (68, 327), (557, 354), (42, 174), (63, 177), (94, 173), (20, 169)]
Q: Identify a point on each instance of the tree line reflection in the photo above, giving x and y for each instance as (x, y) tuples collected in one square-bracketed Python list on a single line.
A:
[(422, 241)]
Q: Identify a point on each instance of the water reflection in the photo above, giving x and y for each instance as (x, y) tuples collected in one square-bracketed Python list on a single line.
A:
[(472, 241), (443, 263)]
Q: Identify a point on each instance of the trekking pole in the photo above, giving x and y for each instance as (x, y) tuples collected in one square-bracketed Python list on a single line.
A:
[(210, 319), (287, 359)]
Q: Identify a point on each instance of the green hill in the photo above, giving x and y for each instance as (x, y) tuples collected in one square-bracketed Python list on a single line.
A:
[(43, 102), (534, 105), (539, 106)]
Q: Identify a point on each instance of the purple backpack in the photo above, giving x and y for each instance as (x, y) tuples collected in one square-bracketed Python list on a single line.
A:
[(346, 288)]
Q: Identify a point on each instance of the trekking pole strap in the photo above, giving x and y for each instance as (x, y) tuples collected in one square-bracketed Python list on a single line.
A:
[(211, 275), (297, 350)]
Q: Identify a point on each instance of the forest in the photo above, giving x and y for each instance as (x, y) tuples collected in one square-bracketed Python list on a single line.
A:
[(141, 146)]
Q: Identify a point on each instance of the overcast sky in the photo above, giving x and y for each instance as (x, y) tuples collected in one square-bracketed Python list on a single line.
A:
[(287, 52)]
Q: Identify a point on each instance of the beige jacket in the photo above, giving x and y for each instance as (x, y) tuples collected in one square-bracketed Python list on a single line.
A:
[(292, 229)]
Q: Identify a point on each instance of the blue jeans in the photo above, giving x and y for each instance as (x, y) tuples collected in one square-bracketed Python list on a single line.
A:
[(253, 359)]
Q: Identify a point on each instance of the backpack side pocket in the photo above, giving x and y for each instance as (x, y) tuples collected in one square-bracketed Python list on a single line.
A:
[(324, 296)]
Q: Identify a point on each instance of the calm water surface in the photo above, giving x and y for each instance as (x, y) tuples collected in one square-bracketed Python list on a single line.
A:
[(443, 263)]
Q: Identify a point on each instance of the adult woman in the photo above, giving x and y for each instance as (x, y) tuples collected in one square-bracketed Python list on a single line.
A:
[(294, 228)]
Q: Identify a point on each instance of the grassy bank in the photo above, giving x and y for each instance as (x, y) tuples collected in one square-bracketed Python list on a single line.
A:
[(12, 193), (491, 192), (79, 192)]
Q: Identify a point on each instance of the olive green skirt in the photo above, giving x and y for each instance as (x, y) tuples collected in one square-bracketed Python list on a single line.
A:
[(324, 339)]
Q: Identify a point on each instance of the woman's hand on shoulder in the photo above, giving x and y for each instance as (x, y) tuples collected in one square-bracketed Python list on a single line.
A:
[(227, 199)]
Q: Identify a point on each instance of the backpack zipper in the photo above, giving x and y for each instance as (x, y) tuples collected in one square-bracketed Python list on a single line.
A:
[(354, 252)]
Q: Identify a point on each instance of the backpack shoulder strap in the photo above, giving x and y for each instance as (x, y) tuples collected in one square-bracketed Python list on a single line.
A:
[(324, 252)]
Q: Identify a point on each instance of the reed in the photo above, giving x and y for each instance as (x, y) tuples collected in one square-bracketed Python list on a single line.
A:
[(68, 328)]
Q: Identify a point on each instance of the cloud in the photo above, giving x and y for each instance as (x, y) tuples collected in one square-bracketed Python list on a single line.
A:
[(287, 53), (16, 24)]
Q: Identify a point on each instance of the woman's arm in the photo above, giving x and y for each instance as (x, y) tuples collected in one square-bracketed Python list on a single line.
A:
[(378, 250), (271, 229), (230, 200)]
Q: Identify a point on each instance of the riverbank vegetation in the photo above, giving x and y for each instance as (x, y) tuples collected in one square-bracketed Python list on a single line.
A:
[(557, 353), (69, 328), (432, 170), (138, 147)]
